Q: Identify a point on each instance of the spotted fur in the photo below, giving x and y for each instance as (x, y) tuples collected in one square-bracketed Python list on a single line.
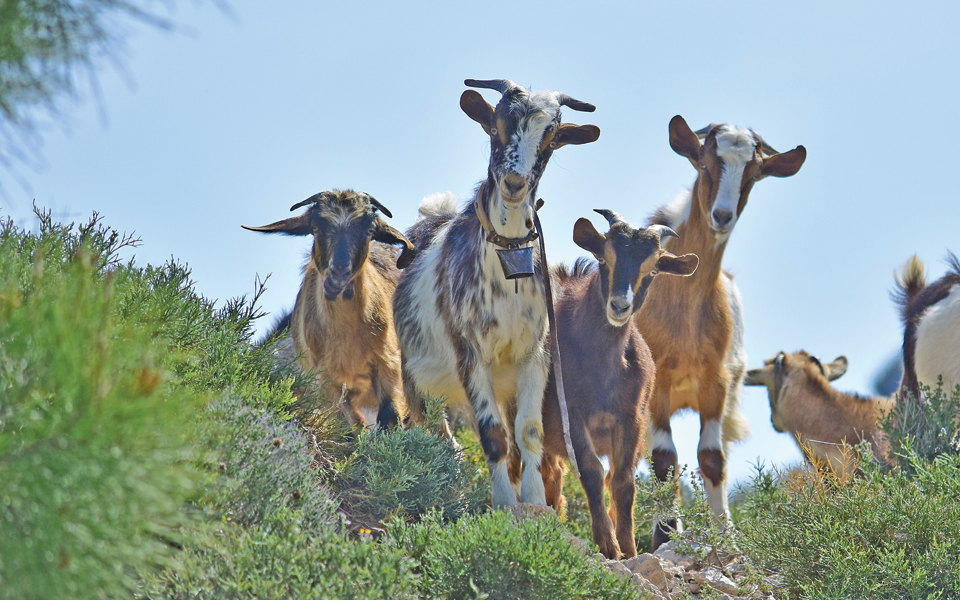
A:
[(466, 333)]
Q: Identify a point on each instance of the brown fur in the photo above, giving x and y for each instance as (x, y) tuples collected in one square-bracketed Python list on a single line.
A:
[(608, 375), (688, 324), (342, 323), (352, 342), (822, 419)]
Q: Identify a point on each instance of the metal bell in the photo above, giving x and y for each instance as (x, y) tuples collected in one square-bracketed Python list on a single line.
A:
[(516, 263)]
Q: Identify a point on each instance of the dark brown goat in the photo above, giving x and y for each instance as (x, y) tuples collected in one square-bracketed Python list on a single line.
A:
[(342, 324), (608, 371)]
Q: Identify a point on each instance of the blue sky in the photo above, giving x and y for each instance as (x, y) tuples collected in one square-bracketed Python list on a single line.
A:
[(237, 115)]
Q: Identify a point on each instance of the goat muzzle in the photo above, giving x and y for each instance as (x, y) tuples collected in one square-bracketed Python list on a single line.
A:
[(334, 287)]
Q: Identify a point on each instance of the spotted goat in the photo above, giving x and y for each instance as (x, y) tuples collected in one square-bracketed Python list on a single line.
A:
[(824, 421), (695, 328), (467, 333), (931, 318), (342, 322), (608, 371)]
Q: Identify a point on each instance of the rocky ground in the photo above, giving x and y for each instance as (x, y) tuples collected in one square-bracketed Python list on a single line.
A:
[(670, 574)]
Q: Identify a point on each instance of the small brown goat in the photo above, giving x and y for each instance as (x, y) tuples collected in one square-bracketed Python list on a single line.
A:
[(342, 323), (608, 371), (822, 419)]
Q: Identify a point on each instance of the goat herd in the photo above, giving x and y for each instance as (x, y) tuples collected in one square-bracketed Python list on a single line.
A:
[(443, 319)]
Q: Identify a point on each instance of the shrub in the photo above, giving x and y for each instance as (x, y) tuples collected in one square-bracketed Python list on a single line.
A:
[(403, 474), (286, 557), (928, 425), (494, 556), (881, 535), (94, 439)]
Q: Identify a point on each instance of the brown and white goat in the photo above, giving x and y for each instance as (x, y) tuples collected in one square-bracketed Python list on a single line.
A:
[(342, 323), (608, 372), (821, 419), (931, 317), (466, 332), (695, 328)]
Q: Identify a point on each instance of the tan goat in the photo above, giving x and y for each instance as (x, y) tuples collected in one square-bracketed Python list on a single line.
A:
[(822, 419), (342, 324)]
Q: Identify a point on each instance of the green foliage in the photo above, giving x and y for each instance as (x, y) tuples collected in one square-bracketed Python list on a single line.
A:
[(927, 425), (93, 438), (47, 49), (283, 557), (881, 535), (403, 474), (495, 557)]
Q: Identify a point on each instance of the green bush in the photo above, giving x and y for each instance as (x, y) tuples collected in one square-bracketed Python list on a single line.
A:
[(882, 535), (285, 557), (496, 557), (405, 473), (94, 438), (928, 425)]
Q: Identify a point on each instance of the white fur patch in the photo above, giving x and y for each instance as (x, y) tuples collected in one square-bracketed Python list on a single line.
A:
[(525, 145), (711, 436), (735, 147), (938, 342), (438, 204), (662, 440)]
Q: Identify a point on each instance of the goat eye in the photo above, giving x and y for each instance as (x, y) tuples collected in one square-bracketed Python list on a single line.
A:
[(493, 131), (601, 261), (654, 273)]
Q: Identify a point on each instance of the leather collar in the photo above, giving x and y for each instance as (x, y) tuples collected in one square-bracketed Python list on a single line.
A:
[(495, 238)]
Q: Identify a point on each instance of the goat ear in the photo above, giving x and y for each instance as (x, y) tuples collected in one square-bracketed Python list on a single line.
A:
[(292, 226), (576, 134), (388, 235), (685, 265), (762, 376), (835, 369), (785, 164), (477, 109), (684, 141), (587, 237)]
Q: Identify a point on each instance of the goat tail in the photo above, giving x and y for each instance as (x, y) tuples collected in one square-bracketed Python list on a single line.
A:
[(439, 205), (910, 281), (953, 262)]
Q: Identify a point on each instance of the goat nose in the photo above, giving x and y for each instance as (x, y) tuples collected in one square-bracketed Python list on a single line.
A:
[(620, 305), (339, 271), (722, 217), (514, 183)]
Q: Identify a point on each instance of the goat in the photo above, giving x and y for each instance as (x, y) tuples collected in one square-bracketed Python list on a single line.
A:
[(608, 371), (931, 318), (342, 324), (695, 329), (465, 334), (822, 419)]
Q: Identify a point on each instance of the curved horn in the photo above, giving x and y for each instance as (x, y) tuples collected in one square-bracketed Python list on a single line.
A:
[(501, 85), (311, 200), (765, 148), (575, 104), (664, 231), (611, 216), (702, 133), (376, 204)]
